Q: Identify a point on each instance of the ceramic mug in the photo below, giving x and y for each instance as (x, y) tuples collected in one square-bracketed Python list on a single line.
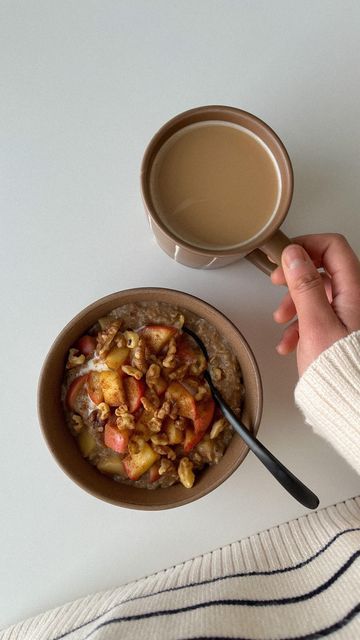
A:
[(269, 242)]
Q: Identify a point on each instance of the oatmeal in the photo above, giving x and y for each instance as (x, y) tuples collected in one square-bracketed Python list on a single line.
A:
[(136, 400)]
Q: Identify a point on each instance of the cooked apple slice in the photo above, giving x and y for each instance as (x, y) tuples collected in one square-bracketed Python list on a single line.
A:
[(204, 415), (86, 345), (186, 349), (112, 388), (74, 391), (113, 466), (158, 335), (137, 464), (116, 357), (154, 472), (94, 387), (174, 434), (192, 439), (176, 392), (86, 442), (189, 353), (114, 438), (134, 391)]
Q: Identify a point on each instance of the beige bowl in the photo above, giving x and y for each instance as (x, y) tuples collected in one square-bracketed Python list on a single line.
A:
[(63, 445)]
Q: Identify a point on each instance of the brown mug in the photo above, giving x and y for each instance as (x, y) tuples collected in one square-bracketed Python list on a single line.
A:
[(265, 249)]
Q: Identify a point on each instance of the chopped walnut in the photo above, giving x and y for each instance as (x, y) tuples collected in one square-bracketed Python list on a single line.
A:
[(121, 409), (78, 422), (132, 371), (166, 466), (206, 448), (155, 424), (164, 450), (148, 405), (124, 419), (135, 445), (139, 359), (74, 360), (164, 410), (186, 474), (132, 339), (169, 360), (201, 393), (106, 338), (159, 438), (103, 410), (198, 367), (153, 397), (152, 374), (179, 373), (217, 428), (197, 458)]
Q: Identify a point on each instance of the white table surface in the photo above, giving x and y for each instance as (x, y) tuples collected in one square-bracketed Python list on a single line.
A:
[(84, 85)]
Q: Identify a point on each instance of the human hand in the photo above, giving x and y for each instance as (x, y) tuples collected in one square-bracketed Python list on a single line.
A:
[(327, 305)]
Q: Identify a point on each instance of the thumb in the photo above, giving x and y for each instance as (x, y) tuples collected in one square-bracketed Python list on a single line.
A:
[(307, 290)]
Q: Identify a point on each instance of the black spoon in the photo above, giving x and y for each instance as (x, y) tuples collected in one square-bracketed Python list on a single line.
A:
[(290, 482)]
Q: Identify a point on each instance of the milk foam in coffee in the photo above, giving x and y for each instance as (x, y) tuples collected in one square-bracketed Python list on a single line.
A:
[(215, 184)]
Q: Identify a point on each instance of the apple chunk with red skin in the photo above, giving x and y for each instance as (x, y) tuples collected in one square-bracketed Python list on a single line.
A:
[(157, 336), (187, 352), (94, 388), (204, 417), (134, 391), (114, 438), (106, 386), (112, 387), (185, 402), (116, 357), (137, 464), (74, 390), (154, 474), (86, 345)]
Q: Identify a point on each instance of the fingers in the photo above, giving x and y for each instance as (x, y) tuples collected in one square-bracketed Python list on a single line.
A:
[(289, 340), (286, 310), (278, 277), (333, 252), (307, 291)]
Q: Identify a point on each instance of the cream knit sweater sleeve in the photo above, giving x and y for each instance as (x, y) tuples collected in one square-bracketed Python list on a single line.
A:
[(328, 394)]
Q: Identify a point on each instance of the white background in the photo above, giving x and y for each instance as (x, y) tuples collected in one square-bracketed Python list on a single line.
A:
[(84, 85)]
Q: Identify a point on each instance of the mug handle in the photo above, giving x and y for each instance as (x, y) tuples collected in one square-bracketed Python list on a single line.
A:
[(272, 248)]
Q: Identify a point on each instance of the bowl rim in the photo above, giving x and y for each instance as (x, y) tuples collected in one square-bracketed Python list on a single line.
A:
[(83, 314)]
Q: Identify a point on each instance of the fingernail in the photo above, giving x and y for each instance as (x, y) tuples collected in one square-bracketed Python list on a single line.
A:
[(294, 256)]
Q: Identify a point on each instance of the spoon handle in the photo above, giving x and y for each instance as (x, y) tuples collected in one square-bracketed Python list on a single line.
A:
[(287, 479)]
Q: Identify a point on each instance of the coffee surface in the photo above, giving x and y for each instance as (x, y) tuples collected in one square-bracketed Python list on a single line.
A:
[(214, 184)]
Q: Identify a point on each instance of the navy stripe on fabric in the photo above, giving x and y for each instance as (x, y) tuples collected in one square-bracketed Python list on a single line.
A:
[(233, 601), (272, 572), (315, 635)]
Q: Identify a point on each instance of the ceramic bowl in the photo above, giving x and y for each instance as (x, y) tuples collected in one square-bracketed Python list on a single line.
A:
[(63, 445)]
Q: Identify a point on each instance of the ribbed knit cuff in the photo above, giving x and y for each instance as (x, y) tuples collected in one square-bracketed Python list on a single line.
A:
[(328, 394)]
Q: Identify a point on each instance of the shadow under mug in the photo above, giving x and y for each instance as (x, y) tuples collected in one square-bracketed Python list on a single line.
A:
[(269, 242)]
